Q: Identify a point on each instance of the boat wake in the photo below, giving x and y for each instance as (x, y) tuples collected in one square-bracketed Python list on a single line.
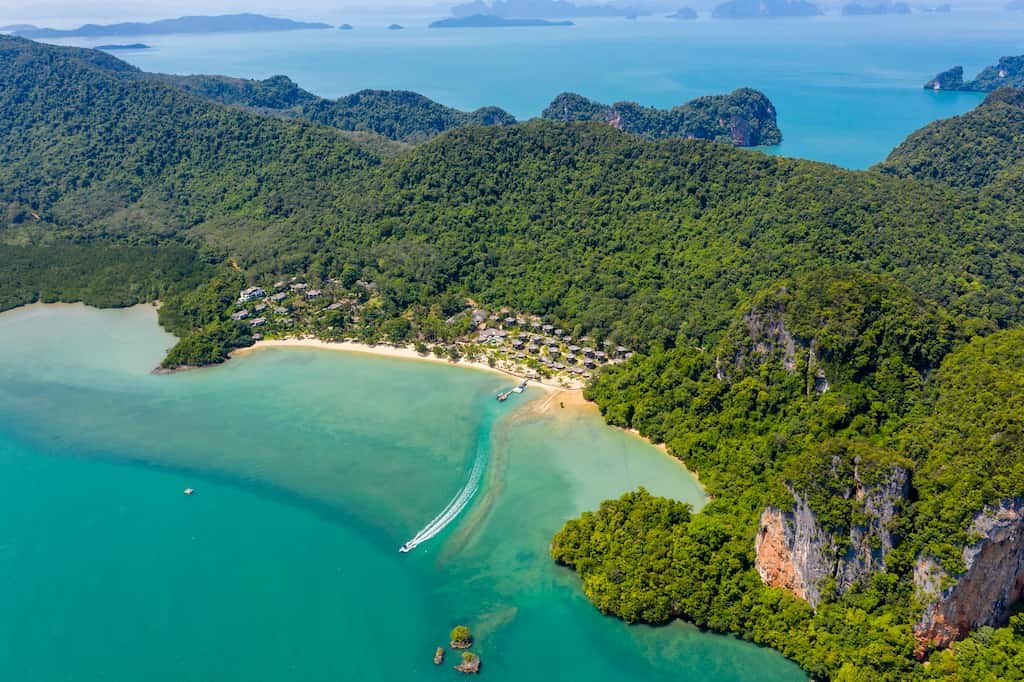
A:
[(453, 509)]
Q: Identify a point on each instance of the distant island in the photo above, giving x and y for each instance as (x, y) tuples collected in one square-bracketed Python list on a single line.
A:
[(545, 9), (395, 27), (683, 14), (15, 28), (1009, 72), (855, 9), (225, 23), (129, 46), (744, 118), (490, 21), (346, 27), (765, 9), (937, 9)]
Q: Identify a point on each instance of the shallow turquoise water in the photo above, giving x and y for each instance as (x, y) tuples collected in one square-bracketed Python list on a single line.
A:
[(847, 89), (310, 469)]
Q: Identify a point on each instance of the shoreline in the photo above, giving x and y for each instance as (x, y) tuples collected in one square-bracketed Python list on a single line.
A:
[(558, 397), (664, 449), (402, 353)]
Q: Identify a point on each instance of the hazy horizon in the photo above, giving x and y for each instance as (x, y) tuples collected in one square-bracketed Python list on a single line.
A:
[(73, 13)]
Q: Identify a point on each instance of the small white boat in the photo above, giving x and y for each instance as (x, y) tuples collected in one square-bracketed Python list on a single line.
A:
[(405, 548), (189, 491)]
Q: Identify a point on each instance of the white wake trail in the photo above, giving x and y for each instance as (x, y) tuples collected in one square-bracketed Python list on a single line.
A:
[(453, 508)]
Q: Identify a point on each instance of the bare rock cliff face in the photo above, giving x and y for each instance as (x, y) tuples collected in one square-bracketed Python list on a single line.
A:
[(795, 552), (984, 593)]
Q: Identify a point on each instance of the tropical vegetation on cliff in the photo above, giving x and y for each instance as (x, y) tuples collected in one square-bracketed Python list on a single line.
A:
[(818, 389), (1008, 72), (803, 332), (744, 117), (981, 149)]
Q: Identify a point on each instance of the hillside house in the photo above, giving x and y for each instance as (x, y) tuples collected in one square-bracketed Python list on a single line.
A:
[(250, 294)]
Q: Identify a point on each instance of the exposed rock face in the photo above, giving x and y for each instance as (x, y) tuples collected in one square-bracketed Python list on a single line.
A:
[(952, 79), (872, 541), (769, 337), (984, 593), (794, 551)]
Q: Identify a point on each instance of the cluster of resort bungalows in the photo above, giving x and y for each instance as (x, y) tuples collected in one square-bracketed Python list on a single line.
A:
[(530, 339), (525, 341), (275, 308)]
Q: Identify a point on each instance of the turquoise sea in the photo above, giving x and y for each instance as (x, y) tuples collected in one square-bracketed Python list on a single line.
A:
[(847, 89), (310, 469)]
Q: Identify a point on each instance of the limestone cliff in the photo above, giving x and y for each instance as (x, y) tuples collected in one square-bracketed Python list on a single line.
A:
[(985, 591), (744, 117), (795, 551)]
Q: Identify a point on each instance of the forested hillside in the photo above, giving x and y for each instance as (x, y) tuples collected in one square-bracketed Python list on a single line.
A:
[(803, 332), (819, 392), (395, 114), (982, 148), (104, 175)]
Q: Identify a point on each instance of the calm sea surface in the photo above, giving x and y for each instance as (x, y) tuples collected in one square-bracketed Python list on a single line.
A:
[(847, 90), (310, 469)]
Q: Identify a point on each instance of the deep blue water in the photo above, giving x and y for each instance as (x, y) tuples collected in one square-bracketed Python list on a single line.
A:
[(847, 90)]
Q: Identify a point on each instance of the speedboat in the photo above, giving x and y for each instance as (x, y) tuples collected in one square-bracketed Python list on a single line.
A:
[(405, 548)]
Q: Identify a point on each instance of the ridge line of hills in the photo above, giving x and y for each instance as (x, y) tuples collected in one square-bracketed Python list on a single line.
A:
[(744, 117)]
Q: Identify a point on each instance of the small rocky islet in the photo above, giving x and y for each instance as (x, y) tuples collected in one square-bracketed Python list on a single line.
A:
[(461, 638)]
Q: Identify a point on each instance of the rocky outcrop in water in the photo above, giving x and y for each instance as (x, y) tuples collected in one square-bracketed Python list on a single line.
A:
[(794, 550), (983, 594)]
